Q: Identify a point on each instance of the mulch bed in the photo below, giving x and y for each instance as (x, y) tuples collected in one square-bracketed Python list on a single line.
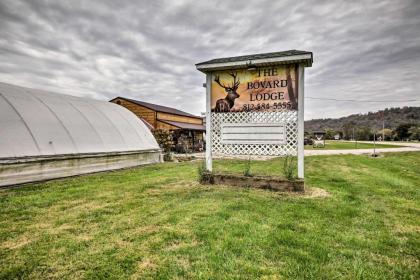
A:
[(261, 182)]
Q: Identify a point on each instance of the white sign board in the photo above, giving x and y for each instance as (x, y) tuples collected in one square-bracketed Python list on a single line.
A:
[(253, 133)]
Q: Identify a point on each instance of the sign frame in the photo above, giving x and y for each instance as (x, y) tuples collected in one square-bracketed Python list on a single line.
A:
[(300, 58)]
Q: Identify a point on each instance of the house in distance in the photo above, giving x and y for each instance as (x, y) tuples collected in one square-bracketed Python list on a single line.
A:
[(187, 129)]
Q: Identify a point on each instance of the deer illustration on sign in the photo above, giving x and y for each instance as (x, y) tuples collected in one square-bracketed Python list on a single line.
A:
[(226, 104)]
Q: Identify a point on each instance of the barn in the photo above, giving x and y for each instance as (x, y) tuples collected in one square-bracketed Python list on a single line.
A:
[(46, 135), (187, 129)]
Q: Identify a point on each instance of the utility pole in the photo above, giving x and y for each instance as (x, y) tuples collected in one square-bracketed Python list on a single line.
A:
[(356, 139), (374, 144), (383, 125), (383, 128)]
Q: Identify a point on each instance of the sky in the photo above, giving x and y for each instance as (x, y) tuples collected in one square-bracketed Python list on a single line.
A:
[(147, 50)]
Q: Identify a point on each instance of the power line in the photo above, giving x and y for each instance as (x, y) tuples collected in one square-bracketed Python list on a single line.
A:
[(355, 100)]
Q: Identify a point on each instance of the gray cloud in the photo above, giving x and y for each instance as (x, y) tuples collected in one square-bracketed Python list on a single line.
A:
[(147, 49)]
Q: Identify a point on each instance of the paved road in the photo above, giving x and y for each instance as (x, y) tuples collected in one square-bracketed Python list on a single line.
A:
[(408, 147)]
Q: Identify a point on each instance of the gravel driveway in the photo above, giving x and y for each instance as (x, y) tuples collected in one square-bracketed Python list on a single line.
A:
[(408, 147)]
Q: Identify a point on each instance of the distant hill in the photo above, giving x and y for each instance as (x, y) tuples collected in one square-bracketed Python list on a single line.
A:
[(373, 120)]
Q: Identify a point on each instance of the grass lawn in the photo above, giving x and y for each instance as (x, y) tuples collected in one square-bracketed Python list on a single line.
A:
[(157, 222), (345, 145)]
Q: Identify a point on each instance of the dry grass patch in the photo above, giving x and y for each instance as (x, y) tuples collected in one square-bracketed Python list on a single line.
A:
[(401, 228), (146, 265), (181, 244), (18, 242), (313, 192)]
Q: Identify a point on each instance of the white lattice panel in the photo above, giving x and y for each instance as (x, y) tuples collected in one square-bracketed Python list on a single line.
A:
[(289, 118)]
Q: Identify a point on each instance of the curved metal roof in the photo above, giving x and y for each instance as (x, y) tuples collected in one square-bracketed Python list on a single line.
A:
[(40, 123)]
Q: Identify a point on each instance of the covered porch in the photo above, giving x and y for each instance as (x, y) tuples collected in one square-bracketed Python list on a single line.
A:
[(187, 137)]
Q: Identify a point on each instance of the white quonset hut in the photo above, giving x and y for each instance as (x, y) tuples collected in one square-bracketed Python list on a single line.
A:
[(45, 135)]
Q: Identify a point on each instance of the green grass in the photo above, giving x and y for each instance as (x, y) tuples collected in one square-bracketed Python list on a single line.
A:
[(345, 145), (157, 222)]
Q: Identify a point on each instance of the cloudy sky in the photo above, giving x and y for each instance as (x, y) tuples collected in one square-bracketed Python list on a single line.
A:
[(146, 50)]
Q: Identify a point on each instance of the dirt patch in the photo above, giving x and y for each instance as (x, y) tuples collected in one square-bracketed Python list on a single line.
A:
[(259, 182)]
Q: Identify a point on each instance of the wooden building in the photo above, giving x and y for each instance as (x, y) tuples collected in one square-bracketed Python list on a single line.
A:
[(187, 129)]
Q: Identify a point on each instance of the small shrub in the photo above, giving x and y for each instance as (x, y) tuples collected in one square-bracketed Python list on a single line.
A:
[(204, 176), (289, 164), (247, 171), (168, 157)]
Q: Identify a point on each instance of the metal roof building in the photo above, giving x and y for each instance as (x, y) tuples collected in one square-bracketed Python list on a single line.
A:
[(158, 108), (58, 135), (186, 129)]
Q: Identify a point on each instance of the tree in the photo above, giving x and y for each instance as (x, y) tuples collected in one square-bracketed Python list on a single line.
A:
[(414, 132), (329, 133), (387, 133), (402, 131), (364, 133), (348, 130)]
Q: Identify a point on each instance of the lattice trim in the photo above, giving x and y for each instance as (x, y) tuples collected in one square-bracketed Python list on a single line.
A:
[(289, 118)]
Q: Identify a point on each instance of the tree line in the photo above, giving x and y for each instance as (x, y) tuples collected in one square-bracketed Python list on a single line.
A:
[(403, 132), (394, 124)]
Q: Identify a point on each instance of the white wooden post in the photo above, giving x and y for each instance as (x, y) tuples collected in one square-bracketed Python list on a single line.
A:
[(209, 164), (301, 122)]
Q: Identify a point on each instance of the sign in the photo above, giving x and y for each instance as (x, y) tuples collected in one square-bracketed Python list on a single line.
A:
[(253, 133), (264, 89), (254, 105)]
